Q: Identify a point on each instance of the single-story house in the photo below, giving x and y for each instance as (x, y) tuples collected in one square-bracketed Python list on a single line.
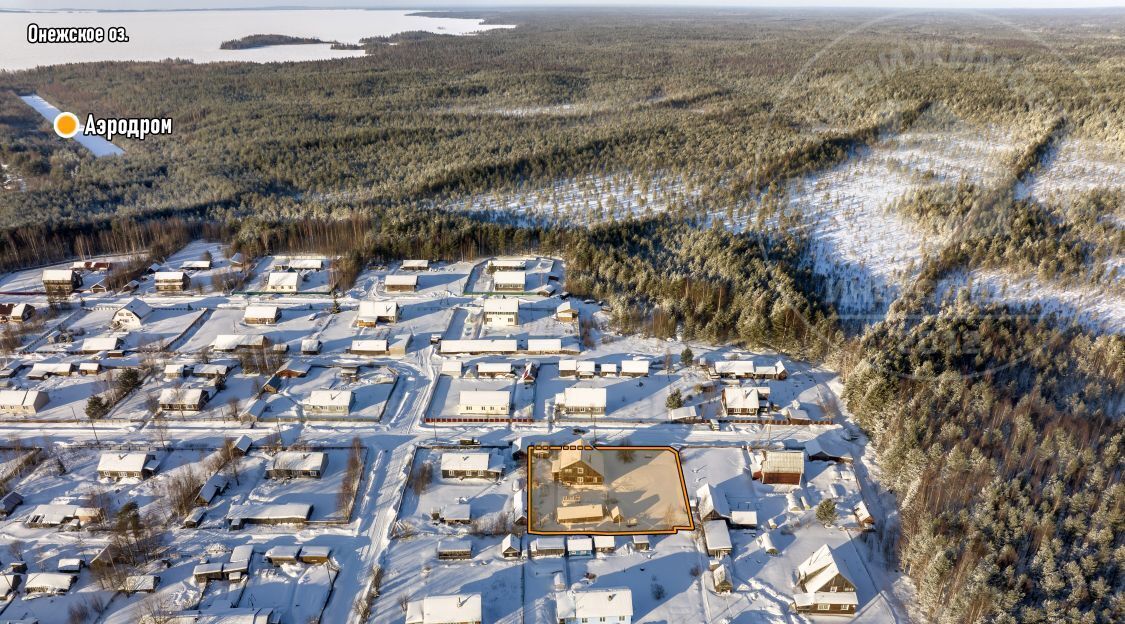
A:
[(216, 484), (210, 371), (310, 346), (280, 513), (371, 313), (261, 315), (329, 402), (514, 281), (449, 609), (751, 401), (400, 283), (566, 312), (605, 543), (137, 465), (281, 555), (484, 403), (579, 546), (495, 370), (590, 401), (290, 464), (635, 368), (368, 347), (785, 467), (580, 514), (184, 399), (717, 538), (54, 583), (282, 282), (712, 504), (456, 513), (24, 402), (97, 345), (452, 549), (238, 342), (611, 605), (479, 347), (471, 464), (511, 547), (54, 515), (415, 265), (140, 583), (548, 546), (316, 555)]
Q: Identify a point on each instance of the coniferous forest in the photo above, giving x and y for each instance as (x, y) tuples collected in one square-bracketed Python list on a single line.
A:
[(999, 429)]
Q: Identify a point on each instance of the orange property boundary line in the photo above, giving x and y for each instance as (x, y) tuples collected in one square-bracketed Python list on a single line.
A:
[(531, 450)]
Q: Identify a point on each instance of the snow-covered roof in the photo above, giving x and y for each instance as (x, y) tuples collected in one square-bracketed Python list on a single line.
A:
[(565, 306), (93, 345), (375, 309), (784, 461), (260, 311), (455, 545), (451, 367), (122, 462), (544, 345), (310, 344), (711, 500), (501, 305), (635, 366), (449, 609), (820, 568), (458, 512), (765, 542), (415, 265), (594, 603), (329, 398), (136, 307), (55, 368), (484, 397), (180, 396), (281, 279), (276, 511), (744, 517), (374, 346), (230, 342), (716, 535), (21, 398), (573, 513), (196, 264), (510, 278), (299, 461), (579, 543), (584, 397), (209, 370), (283, 552), (49, 581), (861, 512), (169, 276), (745, 398), (139, 582), (304, 264), (57, 275), (211, 488), (605, 541), (242, 552), (508, 263), (494, 368), (479, 346), (571, 454), (471, 460), (548, 543), (224, 615), (401, 280)]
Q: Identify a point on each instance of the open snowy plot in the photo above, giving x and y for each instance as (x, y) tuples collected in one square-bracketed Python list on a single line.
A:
[(536, 320), (539, 273), (860, 243), (370, 393), (447, 397), (666, 581), (413, 571), (440, 279), (203, 280), (622, 490), (1077, 165), (628, 399), (322, 493), (66, 395), (726, 469), (1099, 309), (582, 200), (163, 326), (491, 502), (31, 280), (81, 485), (295, 324), (310, 280)]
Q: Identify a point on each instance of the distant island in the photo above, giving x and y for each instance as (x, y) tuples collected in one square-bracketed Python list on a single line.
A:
[(262, 41)]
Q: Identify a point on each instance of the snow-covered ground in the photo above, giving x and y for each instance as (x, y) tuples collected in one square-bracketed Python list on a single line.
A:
[(1076, 165), (514, 591), (97, 145), (1100, 309)]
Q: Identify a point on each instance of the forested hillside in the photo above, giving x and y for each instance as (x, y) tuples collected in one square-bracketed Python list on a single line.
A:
[(998, 427)]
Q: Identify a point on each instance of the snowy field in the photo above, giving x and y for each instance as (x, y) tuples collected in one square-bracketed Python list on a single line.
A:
[(1100, 309), (1077, 165), (97, 145)]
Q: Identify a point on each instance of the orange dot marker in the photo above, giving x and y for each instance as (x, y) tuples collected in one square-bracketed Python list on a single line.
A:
[(66, 125)]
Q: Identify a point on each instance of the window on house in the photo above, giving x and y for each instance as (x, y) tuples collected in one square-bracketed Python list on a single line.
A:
[(581, 471), (823, 607)]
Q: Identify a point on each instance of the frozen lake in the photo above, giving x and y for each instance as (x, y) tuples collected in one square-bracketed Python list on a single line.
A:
[(196, 35)]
